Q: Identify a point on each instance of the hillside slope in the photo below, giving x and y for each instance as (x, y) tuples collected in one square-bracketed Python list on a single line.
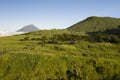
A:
[(32, 56), (95, 24)]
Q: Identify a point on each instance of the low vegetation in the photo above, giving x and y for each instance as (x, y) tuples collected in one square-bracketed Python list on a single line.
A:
[(60, 55)]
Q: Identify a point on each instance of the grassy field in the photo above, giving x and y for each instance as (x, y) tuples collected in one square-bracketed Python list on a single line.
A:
[(32, 56)]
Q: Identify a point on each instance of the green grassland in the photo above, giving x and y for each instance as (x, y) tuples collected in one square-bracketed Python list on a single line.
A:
[(58, 55), (95, 24)]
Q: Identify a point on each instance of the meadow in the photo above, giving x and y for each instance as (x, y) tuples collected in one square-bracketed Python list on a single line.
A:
[(59, 55)]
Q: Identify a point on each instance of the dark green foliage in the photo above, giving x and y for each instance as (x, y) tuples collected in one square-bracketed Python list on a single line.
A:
[(104, 38), (73, 39), (24, 39), (116, 77), (95, 24), (66, 38), (100, 70), (72, 75)]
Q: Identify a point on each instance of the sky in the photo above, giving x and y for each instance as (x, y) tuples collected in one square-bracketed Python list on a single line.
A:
[(51, 14)]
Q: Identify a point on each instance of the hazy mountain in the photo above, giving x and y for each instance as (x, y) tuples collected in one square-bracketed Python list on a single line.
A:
[(28, 28), (95, 24)]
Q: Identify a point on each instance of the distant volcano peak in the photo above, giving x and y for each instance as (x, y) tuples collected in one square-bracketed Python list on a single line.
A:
[(28, 28)]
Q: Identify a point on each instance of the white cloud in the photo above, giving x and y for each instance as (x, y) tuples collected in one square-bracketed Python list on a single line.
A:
[(7, 33)]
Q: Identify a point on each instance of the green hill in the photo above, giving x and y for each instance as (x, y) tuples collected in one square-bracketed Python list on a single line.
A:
[(96, 24), (58, 55)]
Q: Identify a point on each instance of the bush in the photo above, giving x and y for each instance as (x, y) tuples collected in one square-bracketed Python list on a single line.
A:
[(24, 39)]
